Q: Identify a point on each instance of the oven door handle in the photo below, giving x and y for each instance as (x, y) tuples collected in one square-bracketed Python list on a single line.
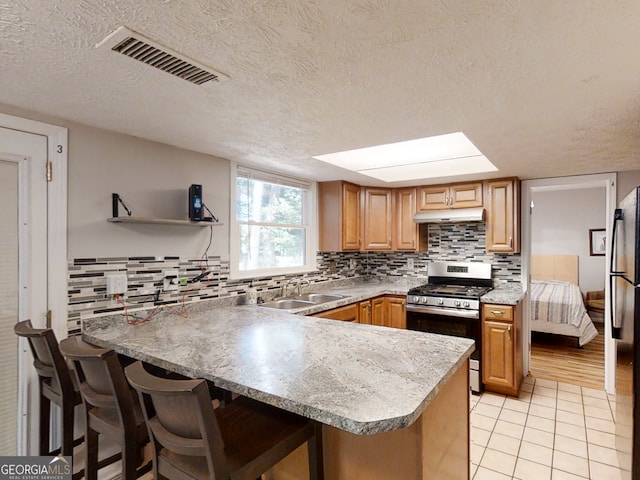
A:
[(473, 314)]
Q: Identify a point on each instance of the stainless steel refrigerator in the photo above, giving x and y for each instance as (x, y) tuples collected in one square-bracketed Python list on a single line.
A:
[(625, 317)]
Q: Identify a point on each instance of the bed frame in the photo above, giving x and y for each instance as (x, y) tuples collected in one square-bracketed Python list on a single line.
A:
[(555, 267)]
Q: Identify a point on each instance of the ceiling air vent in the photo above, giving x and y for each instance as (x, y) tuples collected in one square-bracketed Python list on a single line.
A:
[(140, 48)]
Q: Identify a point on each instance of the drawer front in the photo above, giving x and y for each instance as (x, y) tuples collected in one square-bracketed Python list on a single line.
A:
[(497, 312)]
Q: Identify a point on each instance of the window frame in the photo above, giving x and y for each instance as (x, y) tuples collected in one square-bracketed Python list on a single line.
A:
[(309, 223)]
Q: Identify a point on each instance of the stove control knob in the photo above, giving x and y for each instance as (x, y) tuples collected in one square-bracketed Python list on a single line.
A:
[(456, 303), (423, 299), (440, 301), (465, 303)]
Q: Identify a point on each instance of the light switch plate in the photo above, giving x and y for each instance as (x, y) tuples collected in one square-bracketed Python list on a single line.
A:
[(117, 284)]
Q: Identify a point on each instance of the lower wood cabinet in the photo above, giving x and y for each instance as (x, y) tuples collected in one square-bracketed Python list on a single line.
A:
[(502, 348), (387, 311), (348, 313), (364, 312)]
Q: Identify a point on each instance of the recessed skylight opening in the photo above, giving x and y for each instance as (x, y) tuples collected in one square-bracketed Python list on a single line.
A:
[(440, 156)]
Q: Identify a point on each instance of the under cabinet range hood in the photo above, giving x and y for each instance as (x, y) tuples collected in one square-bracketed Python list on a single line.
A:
[(455, 215)]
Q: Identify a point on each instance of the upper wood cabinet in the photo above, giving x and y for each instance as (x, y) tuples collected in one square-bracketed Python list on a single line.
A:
[(406, 230), (340, 216), (378, 218), (502, 202), (458, 195)]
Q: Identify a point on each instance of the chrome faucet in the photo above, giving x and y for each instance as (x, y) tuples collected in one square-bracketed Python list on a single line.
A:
[(283, 289), (299, 285)]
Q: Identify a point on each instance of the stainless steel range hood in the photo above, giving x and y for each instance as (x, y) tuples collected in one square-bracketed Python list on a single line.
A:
[(455, 215)]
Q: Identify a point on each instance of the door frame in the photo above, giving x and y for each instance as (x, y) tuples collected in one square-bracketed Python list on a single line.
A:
[(57, 147), (603, 180)]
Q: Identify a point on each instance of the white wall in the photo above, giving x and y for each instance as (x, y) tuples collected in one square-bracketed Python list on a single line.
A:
[(627, 181), (152, 179), (560, 225)]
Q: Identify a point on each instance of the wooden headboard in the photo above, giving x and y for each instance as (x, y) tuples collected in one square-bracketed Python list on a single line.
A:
[(555, 267)]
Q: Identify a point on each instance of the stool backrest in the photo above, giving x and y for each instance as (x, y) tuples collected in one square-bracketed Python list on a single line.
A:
[(47, 359), (100, 378), (180, 417)]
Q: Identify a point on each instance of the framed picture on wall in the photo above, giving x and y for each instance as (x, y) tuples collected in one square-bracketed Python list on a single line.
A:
[(597, 241)]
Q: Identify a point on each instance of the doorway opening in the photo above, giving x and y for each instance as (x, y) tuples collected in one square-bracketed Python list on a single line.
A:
[(558, 215)]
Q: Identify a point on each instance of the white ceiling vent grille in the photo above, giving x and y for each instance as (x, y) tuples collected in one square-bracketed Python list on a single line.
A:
[(140, 48)]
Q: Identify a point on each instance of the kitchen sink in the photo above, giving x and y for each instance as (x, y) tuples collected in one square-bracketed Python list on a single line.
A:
[(320, 297), (287, 304), (301, 301)]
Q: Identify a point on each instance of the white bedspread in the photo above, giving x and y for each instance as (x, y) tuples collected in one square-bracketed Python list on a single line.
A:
[(557, 307), (559, 302)]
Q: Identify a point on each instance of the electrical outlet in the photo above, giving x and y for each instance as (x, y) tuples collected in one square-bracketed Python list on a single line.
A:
[(352, 264), (116, 284), (410, 265), (170, 280)]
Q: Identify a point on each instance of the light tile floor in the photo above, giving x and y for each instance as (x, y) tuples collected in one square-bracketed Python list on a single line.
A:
[(552, 431)]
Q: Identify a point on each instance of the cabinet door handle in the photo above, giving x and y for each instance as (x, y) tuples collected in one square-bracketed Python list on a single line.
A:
[(497, 312), (509, 331), (511, 242)]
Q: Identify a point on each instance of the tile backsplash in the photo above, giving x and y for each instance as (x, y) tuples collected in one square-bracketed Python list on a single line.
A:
[(87, 276)]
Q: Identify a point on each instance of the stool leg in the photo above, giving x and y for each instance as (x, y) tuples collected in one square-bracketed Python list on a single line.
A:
[(91, 452), (130, 453), (45, 419), (67, 427)]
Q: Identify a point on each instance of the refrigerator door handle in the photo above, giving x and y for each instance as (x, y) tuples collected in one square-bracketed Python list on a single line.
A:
[(616, 332)]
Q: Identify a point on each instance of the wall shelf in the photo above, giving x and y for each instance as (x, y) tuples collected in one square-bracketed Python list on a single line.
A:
[(161, 221)]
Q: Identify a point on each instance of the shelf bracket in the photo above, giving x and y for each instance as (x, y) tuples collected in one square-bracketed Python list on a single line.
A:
[(115, 200)]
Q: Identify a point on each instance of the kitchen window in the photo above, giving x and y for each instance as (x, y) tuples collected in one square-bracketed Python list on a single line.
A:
[(272, 225)]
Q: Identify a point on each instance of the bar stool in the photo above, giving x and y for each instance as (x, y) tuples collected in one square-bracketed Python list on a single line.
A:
[(111, 407), (55, 384), (192, 440)]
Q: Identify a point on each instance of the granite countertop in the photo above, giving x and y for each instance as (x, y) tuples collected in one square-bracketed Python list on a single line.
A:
[(360, 378), (504, 294)]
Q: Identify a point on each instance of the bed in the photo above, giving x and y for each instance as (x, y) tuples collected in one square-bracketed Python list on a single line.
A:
[(557, 306)]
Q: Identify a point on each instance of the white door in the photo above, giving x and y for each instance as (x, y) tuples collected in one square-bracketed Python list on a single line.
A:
[(23, 279)]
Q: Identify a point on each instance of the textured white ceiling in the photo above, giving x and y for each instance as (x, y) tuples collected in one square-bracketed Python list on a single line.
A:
[(543, 88)]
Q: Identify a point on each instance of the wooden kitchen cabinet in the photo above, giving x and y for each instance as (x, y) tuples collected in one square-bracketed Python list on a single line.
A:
[(386, 311), (443, 197), (378, 218), (364, 312), (397, 312), (340, 216), (378, 311), (348, 313), (407, 232), (502, 202), (502, 348), (389, 311)]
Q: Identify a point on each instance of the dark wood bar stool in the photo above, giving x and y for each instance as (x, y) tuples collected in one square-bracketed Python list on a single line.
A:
[(111, 408), (55, 384), (192, 440)]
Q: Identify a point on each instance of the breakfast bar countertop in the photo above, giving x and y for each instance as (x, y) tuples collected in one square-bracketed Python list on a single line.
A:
[(362, 379)]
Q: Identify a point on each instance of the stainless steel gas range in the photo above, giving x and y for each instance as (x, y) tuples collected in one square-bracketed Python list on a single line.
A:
[(449, 304)]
